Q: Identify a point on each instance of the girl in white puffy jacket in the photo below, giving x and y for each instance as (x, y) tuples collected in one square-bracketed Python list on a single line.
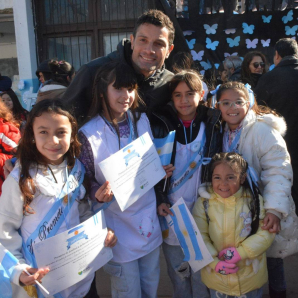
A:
[(256, 133)]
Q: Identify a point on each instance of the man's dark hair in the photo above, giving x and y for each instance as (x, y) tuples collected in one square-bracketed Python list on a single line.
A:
[(156, 18), (286, 47)]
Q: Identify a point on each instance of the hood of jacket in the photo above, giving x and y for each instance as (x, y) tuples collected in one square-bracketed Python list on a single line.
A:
[(276, 122)]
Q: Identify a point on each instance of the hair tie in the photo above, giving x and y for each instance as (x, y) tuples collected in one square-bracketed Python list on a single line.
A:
[(214, 99), (251, 95)]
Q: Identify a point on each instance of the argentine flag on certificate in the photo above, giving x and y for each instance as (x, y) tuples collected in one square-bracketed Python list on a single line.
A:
[(7, 263), (164, 147)]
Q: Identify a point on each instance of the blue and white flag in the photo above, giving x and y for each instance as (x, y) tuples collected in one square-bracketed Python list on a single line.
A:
[(7, 263), (164, 147), (189, 236)]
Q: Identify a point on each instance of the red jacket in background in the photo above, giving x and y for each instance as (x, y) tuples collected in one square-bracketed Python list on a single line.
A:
[(9, 138)]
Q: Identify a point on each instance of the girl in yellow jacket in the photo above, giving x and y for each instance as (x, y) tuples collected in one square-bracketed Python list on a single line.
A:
[(229, 216)]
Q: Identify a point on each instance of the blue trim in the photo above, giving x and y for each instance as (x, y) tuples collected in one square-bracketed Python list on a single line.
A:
[(191, 232), (180, 237)]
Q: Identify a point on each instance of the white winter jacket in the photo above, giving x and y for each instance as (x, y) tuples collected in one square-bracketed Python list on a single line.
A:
[(263, 147)]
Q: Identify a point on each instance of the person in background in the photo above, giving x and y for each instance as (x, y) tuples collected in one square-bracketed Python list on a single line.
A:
[(61, 75), (5, 83), (232, 66), (10, 136), (43, 72), (12, 102), (253, 67)]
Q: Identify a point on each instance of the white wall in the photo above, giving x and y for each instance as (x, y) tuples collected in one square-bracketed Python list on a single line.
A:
[(6, 4)]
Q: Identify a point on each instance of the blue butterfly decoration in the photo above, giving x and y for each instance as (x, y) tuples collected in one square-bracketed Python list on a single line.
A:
[(291, 31), (288, 17), (211, 45), (216, 65), (233, 42), (191, 43), (210, 29), (206, 65), (267, 19), (249, 29)]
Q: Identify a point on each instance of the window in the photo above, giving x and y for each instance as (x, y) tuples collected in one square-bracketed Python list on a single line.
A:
[(81, 30)]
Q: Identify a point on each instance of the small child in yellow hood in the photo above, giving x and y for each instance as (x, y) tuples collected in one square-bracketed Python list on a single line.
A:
[(229, 215)]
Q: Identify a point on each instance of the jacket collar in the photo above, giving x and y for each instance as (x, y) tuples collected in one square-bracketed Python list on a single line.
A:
[(288, 60)]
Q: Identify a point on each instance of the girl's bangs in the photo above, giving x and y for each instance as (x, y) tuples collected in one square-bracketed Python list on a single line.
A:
[(124, 78)]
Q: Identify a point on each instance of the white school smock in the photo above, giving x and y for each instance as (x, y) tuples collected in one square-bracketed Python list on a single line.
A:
[(137, 228), (11, 219), (189, 190)]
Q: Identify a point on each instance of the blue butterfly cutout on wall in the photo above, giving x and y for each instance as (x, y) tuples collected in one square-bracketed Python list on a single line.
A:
[(211, 45), (251, 44), (288, 17), (191, 43), (206, 65), (267, 19), (249, 29), (210, 29), (265, 43), (291, 30), (216, 65), (197, 56), (188, 32), (233, 42)]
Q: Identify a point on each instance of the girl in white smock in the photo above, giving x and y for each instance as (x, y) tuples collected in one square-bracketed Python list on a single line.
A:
[(197, 136), (134, 269), (39, 198)]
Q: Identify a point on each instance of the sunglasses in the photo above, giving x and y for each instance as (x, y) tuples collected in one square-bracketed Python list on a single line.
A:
[(257, 64)]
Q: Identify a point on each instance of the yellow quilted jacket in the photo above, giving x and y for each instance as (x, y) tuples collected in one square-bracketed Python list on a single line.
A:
[(229, 226)]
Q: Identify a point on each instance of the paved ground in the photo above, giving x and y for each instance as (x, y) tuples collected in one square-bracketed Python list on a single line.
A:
[(165, 289)]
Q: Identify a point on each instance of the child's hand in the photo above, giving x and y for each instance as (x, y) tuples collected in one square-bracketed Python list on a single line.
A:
[(111, 239), (169, 170), (230, 255), (104, 194), (164, 209), (271, 223), (225, 268), (37, 274)]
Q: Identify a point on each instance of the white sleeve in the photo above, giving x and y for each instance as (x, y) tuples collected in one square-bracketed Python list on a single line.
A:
[(11, 216), (277, 174)]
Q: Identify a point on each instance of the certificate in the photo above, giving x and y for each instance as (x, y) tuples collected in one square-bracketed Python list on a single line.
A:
[(133, 170), (73, 254)]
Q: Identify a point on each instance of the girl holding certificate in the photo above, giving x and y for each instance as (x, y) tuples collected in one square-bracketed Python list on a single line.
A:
[(44, 196), (134, 269), (197, 137)]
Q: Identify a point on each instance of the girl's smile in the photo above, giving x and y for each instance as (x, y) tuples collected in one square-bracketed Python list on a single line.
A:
[(235, 113), (186, 101), (52, 135), (120, 100), (225, 181)]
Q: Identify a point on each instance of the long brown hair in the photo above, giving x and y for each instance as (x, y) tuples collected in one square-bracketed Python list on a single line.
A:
[(28, 154), (258, 109)]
